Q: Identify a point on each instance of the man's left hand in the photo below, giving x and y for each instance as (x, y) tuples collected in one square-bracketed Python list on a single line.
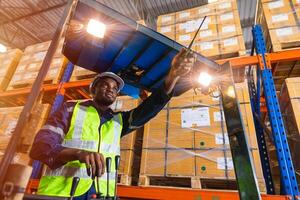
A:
[(181, 66)]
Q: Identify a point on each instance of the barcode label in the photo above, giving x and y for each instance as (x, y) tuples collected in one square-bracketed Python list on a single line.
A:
[(230, 42), (205, 33), (165, 29), (280, 18), (284, 31), (226, 16), (275, 4), (228, 29), (225, 5), (184, 37), (184, 15), (166, 18), (206, 46)]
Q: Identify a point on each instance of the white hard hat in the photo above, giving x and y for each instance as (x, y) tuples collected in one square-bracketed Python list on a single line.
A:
[(106, 74)]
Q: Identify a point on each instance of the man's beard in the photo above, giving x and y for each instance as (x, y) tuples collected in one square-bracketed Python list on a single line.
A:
[(104, 102)]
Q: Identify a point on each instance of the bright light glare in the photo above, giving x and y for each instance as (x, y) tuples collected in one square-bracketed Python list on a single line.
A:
[(204, 79), (96, 28), (230, 92), (2, 48)]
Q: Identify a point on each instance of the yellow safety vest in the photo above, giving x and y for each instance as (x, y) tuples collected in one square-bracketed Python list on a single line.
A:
[(84, 134)]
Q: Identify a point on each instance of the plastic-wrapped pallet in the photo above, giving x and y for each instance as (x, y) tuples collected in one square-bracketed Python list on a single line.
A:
[(290, 108), (188, 139), (280, 21), (9, 117), (31, 62), (220, 35)]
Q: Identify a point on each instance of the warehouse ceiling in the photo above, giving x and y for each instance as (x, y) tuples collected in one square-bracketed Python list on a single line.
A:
[(27, 22)]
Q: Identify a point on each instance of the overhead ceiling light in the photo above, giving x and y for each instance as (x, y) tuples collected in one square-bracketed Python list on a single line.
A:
[(96, 28), (3, 48), (204, 79)]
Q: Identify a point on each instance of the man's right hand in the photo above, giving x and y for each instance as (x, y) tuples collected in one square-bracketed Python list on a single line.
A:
[(94, 161)]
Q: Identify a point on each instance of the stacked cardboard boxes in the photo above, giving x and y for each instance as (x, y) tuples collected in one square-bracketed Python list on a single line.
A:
[(31, 62), (9, 117), (189, 139), (126, 103), (290, 108), (220, 35), (281, 23), (80, 73), (8, 65)]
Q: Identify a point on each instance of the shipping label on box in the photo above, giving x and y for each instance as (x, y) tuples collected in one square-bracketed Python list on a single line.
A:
[(228, 29), (184, 15), (220, 138), (195, 117), (230, 42), (184, 37), (280, 18), (206, 33), (10, 128), (204, 25), (206, 46), (226, 16), (40, 55), (165, 29), (166, 19), (203, 10), (284, 31), (221, 164), (275, 4), (225, 5)]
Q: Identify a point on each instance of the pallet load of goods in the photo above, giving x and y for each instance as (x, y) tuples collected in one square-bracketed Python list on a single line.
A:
[(280, 21), (30, 64), (220, 35), (186, 144), (290, 107)]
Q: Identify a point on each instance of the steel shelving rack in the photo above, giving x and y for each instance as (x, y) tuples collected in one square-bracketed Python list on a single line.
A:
[(57, 93)]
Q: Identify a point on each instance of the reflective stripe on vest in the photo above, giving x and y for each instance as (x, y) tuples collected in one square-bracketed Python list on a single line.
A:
[(67, 171), (84, 134)]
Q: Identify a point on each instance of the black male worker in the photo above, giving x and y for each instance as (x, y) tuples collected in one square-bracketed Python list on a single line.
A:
[(75, 140)]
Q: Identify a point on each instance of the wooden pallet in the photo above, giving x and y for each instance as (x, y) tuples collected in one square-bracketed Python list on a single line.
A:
[(187, 182), (124, 179)]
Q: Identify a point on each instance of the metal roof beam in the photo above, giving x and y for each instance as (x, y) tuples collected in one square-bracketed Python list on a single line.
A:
[(19, 25), (32, 14)]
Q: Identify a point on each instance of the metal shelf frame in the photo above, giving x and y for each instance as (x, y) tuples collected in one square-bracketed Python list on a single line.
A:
[(79, 89)]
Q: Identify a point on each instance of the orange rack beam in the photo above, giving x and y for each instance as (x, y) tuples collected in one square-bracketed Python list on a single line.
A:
[(163, 193), (79, 89), (283, 56)]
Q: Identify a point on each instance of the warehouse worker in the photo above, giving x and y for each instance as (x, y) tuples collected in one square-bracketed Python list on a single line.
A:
[(76, 139)]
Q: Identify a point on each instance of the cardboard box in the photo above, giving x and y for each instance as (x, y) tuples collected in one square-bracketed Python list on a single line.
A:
[(167, 19), (168, 30)]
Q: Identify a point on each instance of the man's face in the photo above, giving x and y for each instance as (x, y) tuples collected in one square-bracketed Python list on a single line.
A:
[(106, 91)]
